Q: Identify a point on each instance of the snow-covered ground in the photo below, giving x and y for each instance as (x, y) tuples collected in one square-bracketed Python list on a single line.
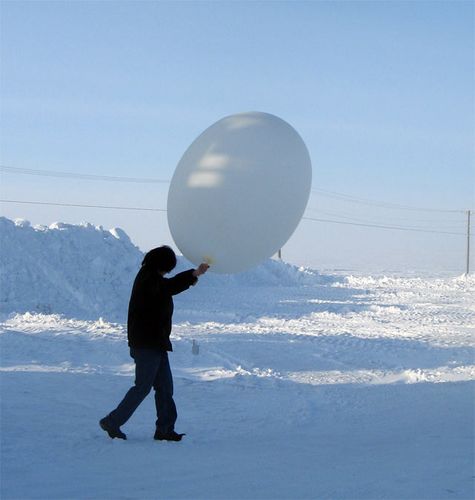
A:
[(305, 386)]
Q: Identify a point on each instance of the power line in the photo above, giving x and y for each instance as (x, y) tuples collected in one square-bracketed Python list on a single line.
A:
[(142, 180), (383, 204), (73, 175), (331, 213), (399, 228), (80, 205)]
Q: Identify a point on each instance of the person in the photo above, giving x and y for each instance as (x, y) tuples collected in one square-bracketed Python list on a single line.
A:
[(149, 325)]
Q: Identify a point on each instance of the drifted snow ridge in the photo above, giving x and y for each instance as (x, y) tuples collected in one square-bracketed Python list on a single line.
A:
[(85, 271)]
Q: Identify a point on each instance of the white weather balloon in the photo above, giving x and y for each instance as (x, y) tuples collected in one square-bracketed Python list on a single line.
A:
[(239, 191)]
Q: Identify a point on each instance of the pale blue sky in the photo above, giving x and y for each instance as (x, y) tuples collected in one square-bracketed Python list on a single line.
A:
[(381, 92)]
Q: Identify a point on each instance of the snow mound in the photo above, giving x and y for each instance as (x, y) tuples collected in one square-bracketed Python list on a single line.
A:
[(84, 271), (75, 270), (269, 274)]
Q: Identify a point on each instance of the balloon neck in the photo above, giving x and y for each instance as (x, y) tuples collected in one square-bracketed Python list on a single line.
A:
[(208, 260)]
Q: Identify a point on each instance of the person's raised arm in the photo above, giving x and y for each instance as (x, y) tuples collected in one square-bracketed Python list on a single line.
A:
[(182, 281), (201, 269)]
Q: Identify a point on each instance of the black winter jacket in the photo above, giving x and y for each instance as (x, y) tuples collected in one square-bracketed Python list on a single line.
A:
[(149, 321)]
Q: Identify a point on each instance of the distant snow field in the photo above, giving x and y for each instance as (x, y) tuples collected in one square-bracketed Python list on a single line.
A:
[(306, 385)]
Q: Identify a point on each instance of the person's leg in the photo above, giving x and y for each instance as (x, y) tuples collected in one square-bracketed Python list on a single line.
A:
[(147, 364), (164, 403)]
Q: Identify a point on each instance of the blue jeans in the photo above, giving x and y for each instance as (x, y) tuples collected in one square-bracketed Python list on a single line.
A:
[(152, 369)]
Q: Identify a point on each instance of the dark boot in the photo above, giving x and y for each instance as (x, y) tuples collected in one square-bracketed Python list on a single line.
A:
[(111, 429), (170, 436)]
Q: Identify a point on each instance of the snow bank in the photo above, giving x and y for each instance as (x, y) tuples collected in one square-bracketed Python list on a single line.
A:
[(75, 270), (85, 271), (270, 273)]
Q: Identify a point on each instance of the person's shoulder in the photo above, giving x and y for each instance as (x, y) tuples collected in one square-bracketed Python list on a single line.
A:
[(145, 275)]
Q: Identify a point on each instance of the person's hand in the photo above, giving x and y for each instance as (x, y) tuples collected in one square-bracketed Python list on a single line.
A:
[(201, 269)]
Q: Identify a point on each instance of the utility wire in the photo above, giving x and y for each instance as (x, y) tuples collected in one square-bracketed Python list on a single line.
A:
[(426, 222), (363, 201), (321, 192), (400, 228), (73, 175), (83, 205)]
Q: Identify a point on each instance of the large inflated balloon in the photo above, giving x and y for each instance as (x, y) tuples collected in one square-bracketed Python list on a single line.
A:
[(239, 191)]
